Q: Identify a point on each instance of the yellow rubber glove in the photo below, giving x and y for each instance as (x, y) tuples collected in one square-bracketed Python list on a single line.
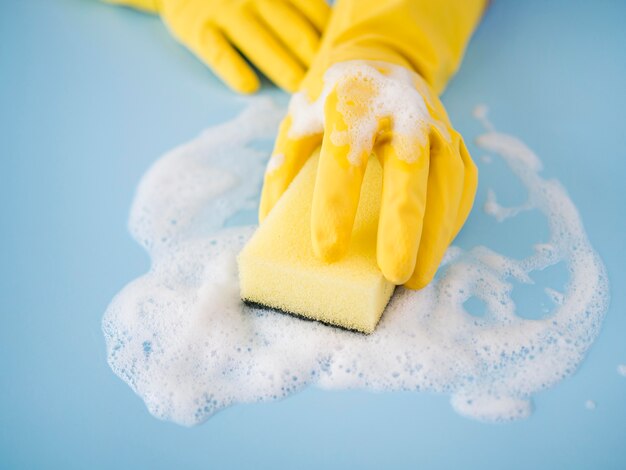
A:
[(280, 37), (373, 87)]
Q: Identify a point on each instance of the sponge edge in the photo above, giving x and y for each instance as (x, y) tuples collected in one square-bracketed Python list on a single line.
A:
[(278, 269)]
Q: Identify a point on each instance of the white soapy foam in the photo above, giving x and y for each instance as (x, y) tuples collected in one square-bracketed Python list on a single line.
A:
[(274, 163), (366, 93), (621, 370), (181, 338), (480, 112), (556, 296), (501, 213)]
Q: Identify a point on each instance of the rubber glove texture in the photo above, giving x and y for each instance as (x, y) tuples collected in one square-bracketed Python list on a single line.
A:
[(361, 96), (280, 37)]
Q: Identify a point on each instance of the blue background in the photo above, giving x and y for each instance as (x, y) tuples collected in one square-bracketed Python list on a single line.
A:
[(91, 94)]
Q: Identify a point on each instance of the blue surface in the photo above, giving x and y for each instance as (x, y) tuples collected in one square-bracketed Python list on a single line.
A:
[(90, 95)]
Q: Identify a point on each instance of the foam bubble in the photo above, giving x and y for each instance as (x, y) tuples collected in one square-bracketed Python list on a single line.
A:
[(480, 113), (590, 405), (274, 163), (556, 296), (491, 407), (181, 338), (621, 370)]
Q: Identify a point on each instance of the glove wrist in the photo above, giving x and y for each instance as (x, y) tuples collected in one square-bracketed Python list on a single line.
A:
[(369, 49)]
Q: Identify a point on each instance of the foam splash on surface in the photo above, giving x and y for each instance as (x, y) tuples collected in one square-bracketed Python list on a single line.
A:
[(494, 209), (181, 338)]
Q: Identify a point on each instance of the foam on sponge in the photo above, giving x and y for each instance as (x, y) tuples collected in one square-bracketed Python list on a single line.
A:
[(278, 269)]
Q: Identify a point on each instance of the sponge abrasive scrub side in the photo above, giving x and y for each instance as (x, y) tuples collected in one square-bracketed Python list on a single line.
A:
[(278, 269)]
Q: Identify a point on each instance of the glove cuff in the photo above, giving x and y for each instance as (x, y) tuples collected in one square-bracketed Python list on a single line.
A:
[(425, 36)]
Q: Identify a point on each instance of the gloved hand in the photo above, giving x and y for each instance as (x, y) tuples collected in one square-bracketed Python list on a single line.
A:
[(373, 87), (280, 37)]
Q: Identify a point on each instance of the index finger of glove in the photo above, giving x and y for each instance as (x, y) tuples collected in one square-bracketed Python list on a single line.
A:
[(337, 186), (263, 49), (288, 157), (295, 32), (222, 58), (316, 11)]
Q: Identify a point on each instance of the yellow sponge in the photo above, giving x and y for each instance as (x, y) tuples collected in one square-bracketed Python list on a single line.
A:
[(278, 269)]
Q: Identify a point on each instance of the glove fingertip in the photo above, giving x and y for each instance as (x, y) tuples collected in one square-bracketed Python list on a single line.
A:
[(245, 84), (267, 201), (419, 281), (393, 270), (328, 250)]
